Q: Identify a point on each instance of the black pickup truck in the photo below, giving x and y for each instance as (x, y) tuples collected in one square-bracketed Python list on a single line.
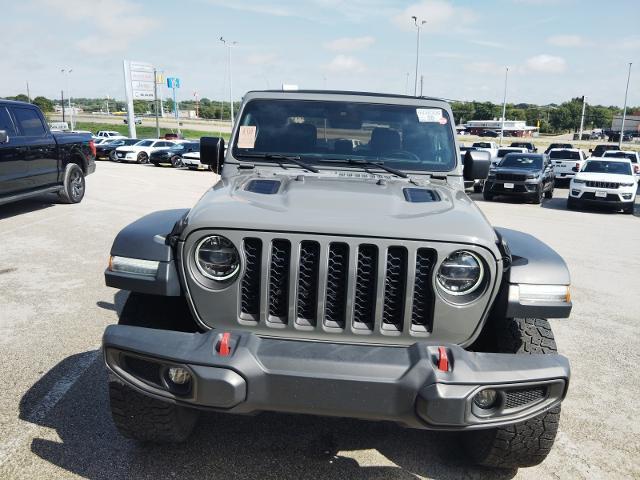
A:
[(33, 160)]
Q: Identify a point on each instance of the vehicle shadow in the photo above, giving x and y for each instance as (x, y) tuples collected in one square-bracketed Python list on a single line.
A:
[(268, 445), (32, 204)]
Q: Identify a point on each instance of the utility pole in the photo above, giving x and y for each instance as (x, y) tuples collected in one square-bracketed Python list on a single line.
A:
[(504, 104), (584, 103), (67, 72), (28, 94), (62, 104), (155, 101), (418, 24), (624, 111), (229, 45), (421, 83)]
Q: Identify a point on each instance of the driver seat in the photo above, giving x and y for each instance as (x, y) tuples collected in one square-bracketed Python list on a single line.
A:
[(384, 140)]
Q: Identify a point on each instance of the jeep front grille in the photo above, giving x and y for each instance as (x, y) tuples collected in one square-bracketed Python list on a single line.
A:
[(596, 184), (335, 286), (511, 176)]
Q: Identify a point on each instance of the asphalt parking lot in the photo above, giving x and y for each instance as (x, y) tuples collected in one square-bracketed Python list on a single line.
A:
[(54, 416)]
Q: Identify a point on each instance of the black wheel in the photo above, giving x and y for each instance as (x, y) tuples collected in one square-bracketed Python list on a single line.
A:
[(477, 187), (527, 443), (487, 196), (112, 156), (135, 415), (628, 209), (549, 193), (147, 419), (537, 199), (176, 161), (74, 184), (142, 158), (155, 164)]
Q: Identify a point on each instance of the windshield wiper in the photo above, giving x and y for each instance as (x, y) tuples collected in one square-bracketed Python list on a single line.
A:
[(379, 164), (281, 159)]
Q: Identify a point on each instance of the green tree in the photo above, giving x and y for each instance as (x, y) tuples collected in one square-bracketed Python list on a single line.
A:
[(20, 98), (140, 107), (44, 104), (462, 112), (485, 111)]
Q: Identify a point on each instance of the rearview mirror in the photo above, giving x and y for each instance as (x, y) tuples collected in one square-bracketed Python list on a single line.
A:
[(4, 137), (476, 165), (212, 152)]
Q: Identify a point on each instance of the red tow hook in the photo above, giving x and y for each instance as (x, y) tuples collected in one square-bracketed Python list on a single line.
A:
[(443, 359), (223, 347)]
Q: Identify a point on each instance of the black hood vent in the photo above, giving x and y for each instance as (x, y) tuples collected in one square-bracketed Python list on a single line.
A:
[(420, 195), (265, 187)]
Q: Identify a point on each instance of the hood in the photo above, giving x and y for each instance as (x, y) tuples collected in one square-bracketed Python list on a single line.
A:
[(516, 171), (343, 203), (605, 177)]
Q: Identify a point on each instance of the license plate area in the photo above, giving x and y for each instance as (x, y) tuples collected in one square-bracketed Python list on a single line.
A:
[(508, 185), (601, 194)]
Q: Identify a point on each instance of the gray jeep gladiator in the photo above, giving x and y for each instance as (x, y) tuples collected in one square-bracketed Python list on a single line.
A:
[(338, 268)]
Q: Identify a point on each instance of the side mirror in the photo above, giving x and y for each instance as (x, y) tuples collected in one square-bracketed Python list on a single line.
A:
[(212, 152), (4, 137), (591, 150), (476, 165)]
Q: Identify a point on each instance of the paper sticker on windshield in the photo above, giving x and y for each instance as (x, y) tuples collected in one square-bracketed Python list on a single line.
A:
[(433, 115), (247, 136)]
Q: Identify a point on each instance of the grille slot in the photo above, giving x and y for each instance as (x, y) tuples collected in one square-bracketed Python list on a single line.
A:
[(337, 267), (365, 289), (307, 296), (279, 281), (394, 289), (596, 184), (523, 396), (423, 297), (250, 287), (511, 176)]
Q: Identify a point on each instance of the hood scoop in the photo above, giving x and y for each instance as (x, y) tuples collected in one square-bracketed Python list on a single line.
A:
[(264, 187), (420, 195)]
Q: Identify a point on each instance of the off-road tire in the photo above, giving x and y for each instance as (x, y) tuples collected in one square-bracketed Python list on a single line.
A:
[(487, 196), (549, 194), (147, 419), (537, 200), (73, 187), (527, 443)]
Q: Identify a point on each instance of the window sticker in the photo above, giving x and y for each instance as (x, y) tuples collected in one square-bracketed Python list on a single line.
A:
[(247, 136), (433, 115)]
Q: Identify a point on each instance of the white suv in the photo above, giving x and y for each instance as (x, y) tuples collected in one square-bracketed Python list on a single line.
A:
[(605, 182), (566, 162), (633, 157)]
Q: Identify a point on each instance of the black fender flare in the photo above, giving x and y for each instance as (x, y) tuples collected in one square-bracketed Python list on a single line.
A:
[(148, 239)]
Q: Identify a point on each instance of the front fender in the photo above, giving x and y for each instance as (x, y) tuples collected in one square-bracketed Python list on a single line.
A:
[(532, 263), (146, 239)]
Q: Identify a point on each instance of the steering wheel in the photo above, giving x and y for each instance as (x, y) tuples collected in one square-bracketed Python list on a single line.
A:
[(403, 153)]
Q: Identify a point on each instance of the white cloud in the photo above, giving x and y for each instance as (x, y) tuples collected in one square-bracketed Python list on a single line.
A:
[(346, 64), (262, 59), (546, 64), (116, 22), (440, 15), (630, 43), (487, 43), (483, 67), (349, 44), (568, 41)]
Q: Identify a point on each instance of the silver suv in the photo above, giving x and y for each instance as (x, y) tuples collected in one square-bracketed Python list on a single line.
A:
[(338, 268)]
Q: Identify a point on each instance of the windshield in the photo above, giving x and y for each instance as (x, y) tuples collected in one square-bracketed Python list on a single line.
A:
[(403, 137), (529, 162), (565, 155), (482, 145), (503, 151), (601, 166), (618, 154), (144, 143)]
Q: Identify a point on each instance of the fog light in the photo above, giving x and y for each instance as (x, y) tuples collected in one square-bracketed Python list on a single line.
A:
[(179, 375), (486, 398)]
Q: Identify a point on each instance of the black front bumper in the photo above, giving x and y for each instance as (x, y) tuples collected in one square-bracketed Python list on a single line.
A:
[(401, 384)]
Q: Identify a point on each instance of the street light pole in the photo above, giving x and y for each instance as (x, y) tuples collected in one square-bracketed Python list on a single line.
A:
[(67, 72), (624, 111), (584, 103), (229, 45), (504, 104), (418, 24)]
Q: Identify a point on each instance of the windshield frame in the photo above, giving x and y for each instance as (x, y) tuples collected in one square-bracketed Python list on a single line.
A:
[(533, 156), (602, 160), (352, 160)]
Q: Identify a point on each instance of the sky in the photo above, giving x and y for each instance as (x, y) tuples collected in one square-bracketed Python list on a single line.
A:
[(555, 49)]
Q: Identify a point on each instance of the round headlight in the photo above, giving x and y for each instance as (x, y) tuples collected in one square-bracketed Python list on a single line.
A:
[(460, 273), (217, 258)]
